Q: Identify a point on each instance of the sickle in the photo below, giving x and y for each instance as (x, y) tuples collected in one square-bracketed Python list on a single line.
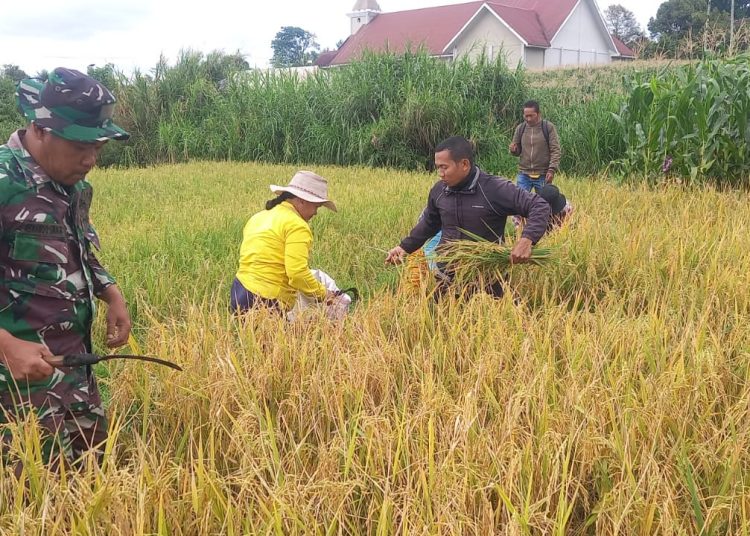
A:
[(77, 360), (354, 293)]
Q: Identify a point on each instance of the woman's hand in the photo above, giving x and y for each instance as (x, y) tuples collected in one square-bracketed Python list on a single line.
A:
[(331, 297)]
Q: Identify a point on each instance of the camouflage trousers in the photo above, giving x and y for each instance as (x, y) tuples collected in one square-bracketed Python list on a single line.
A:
[(67, 405)]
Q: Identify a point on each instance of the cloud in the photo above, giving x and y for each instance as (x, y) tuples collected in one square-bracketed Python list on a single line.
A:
[(71, 21)]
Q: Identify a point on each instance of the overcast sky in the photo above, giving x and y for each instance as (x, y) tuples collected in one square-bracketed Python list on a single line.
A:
[(132, 34)]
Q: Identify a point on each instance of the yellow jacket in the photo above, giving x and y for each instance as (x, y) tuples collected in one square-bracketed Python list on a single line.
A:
[(274, 256)]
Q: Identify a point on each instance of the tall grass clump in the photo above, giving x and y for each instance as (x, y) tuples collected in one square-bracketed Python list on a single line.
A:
[(161, 108), (382, 110), (436, 99), (691, 124), (385, 110), (10, 119)]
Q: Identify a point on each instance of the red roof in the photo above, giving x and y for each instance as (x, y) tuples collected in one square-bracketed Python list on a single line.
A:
[(550, 13), (324, 59), (534, 21), (624, 50)]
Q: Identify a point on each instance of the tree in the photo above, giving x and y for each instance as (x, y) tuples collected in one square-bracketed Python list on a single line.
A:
[(676, 18), (14, 72), (293, 47), (622, 23), (741, 7)]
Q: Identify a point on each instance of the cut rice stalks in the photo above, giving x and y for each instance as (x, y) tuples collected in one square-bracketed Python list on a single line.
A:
[(479, 258)]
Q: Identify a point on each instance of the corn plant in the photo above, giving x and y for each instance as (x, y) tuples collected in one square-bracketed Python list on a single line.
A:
[(691, 125)]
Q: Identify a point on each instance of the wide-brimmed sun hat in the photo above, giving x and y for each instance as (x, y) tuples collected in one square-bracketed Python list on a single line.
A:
[(308, 186)]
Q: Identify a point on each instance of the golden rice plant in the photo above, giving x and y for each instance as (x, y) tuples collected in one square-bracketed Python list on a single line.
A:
[(479, 258), (612, 399)]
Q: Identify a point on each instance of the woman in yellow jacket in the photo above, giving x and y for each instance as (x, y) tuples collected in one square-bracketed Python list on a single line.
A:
[(276, 244)]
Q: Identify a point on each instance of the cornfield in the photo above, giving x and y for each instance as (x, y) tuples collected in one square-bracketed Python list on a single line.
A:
[(690, 125)]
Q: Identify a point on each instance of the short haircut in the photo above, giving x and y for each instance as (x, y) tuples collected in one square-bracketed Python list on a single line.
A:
[(459, 148), (531, 104)]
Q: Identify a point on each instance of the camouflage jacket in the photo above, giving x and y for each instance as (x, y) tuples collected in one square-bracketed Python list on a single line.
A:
[(47, 237)]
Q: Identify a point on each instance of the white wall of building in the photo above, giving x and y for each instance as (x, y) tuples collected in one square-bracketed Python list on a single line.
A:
[(581, 40), (359, 19), (489, 35), (535, 58)]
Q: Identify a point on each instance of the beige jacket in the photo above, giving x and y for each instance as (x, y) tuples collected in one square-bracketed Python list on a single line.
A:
[(536, 156)]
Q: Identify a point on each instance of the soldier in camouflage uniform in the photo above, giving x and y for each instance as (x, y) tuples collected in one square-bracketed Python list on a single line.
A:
[(50, 274)]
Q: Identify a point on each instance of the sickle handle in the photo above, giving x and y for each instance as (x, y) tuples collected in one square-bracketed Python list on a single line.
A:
[(55, 360), (72, 360)]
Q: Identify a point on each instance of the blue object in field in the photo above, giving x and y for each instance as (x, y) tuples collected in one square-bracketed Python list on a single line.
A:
[(429, 250)]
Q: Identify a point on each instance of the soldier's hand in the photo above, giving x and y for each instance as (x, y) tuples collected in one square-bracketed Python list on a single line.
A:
[(24, 359), (118, 318), (118, 325)]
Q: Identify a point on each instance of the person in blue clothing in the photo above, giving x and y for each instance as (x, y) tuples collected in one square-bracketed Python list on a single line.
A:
[(429, 250)]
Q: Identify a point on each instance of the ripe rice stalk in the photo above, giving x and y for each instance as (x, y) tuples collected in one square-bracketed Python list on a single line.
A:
[(612, 400), (479, 258)]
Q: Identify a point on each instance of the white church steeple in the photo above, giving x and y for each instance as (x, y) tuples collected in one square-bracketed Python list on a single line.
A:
[(363, 12)]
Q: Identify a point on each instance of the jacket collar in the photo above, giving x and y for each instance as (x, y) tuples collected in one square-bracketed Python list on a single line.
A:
[(31, 170), (33, 173), (464, 188)]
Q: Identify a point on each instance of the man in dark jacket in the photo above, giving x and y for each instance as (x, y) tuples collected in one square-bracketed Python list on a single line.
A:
[(467, 198)]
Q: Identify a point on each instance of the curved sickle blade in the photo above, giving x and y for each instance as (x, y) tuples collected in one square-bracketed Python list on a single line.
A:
[(142, 358), (352, 291)]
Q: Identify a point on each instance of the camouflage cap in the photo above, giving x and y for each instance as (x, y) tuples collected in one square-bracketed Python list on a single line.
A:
[(71, 105)]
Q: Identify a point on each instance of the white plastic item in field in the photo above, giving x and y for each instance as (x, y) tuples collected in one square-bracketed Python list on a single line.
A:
[(335, 311)]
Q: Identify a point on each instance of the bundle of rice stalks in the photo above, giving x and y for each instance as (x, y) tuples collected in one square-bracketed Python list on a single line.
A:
[(417, 272), (479, 258)]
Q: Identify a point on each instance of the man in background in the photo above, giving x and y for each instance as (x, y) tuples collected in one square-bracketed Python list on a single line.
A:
[(537, 144)]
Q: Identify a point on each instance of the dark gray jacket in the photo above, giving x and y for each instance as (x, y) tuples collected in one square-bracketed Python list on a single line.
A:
[(481, 207)]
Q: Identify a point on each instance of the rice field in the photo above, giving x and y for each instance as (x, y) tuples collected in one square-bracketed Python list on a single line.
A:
[(613, 398)]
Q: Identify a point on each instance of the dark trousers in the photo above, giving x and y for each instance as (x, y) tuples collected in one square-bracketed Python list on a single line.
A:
[(242, 300), (446, 285)]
